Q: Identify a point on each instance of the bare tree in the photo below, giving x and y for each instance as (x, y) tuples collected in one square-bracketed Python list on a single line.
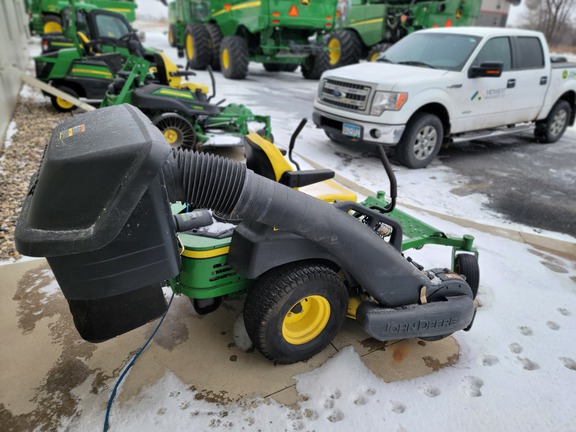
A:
[(551, 17)]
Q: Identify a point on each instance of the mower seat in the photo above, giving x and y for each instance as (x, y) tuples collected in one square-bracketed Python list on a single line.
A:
[(167, 73), (265, 159)]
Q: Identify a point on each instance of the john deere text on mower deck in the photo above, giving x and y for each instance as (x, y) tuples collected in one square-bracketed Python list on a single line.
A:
[(306, 263)]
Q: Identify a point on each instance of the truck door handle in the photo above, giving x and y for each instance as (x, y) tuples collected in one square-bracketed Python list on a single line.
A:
[(511, 83), (543, 80)]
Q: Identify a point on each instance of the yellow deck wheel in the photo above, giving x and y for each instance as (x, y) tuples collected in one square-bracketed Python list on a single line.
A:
[(335, 47), (306, 320)]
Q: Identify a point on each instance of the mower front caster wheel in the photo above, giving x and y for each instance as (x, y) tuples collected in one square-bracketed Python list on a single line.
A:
[(295, 311), (467, 265)]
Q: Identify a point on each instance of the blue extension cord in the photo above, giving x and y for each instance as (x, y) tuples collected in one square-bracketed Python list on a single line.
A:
[(123, 374)]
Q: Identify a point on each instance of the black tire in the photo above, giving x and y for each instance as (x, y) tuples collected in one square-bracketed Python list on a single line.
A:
[(215, 40), (345, 48), (467, 265), (551, 130), (172, 35), (421, 141), (314, 66), (234, 57), (376, 50), (51, 24), (197, 46), (178, 132), (295, 311), (62, 105)]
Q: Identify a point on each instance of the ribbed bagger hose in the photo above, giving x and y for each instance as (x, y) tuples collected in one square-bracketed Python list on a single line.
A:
[(207, 181)]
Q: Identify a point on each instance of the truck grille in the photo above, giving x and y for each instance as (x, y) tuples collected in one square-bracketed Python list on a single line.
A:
[(345, 95)]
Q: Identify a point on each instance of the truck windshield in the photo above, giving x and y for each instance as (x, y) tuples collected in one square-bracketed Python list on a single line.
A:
[(433, 50)]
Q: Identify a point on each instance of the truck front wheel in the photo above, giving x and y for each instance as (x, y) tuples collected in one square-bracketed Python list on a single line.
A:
[(421, 141), (196, 45), (551, 130), (234, 57), (295, 311)]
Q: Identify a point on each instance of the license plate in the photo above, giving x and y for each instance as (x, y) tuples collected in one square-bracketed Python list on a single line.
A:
[(351, 130)]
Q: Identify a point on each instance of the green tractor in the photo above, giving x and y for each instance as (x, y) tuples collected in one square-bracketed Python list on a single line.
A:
[(228, 35), (45, 15), (364, 28), (182, 111), (305, 264)]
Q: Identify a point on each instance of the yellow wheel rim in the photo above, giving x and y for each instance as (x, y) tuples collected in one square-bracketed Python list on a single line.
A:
[(52, 27), (374, 56), (306, 320), (64, 104), (171, 136), (334, 46), (225, 58), (189, 47)]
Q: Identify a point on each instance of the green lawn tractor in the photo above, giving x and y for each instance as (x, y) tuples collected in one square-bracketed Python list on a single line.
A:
[(304, 263), (183, 111)]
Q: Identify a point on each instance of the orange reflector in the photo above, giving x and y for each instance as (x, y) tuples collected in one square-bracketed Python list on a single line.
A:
[(435, 26), (337, 14), (275, 13), (448, 23), (492, 72), (329, 24), (328, 17), (293, 11), (403, 19), (275, 21), (227, 7)]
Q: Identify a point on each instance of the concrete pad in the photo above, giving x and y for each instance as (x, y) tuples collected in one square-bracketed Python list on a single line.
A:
[(48, 370)]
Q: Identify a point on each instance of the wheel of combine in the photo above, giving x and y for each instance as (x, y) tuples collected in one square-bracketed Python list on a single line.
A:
[(234, 57), (376, 51), (52, 24), (344, 48), (172, 35), (177, 131), (421, 141), (551, 129), (467, 265), (314, 66), (63, 105), (214, 42), (294, 311), (197, 46)]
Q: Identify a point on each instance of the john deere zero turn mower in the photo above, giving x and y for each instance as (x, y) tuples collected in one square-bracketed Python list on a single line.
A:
[(306, 264)]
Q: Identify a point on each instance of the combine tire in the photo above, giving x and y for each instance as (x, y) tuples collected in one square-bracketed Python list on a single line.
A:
[(314, 66), (178, 132), (467, 265), (214, 42), (172, 35), (421, 141), (234, 57), (63, 105), (295, 311), (345, 48), (376, 51), (551, 130), (196, 46)]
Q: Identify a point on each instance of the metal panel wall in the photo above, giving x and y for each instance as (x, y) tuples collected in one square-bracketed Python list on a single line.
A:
[(14, 35)]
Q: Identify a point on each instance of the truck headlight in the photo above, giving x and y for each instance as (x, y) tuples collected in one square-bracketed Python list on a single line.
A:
[(390, 101)]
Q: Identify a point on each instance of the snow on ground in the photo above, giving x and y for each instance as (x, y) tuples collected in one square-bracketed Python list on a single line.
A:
[(517, 369)]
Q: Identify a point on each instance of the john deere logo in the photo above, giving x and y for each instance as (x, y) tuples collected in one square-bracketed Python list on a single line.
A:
[(305, 2)]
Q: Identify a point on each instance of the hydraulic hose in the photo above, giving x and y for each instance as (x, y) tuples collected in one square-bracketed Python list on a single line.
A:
[(207, 181)]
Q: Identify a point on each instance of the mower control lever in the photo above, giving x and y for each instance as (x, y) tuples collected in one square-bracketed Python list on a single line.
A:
[(293, 141), (391, 179)]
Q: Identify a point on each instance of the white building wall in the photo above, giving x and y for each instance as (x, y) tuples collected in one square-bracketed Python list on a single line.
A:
[(14, 35)]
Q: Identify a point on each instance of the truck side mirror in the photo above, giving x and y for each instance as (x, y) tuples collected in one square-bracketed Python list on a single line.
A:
[(487, 69)]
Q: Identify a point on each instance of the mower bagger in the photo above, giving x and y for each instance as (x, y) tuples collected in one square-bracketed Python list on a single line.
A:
[(111, 240)]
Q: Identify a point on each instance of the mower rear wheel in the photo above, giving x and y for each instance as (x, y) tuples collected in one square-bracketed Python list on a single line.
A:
[(214, 42), (196, 46), (63, 105), (295, 311), (467, 265), (234, 57), (178, 132)]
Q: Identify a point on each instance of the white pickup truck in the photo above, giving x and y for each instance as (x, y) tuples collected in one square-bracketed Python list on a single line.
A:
[(440, 86)]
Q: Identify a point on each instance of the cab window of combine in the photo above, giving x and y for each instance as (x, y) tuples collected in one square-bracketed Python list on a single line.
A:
[(432, 50), (111, 26), (530, 55), (496, 50)]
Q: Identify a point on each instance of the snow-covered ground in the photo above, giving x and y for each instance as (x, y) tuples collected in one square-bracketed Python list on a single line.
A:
[(517, 366)]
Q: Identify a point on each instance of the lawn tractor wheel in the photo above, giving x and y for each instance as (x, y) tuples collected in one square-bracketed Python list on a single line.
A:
[(172, 35), (421, 141), (234, 57), (52, 24), (177, 131), (345, 48), (551, 129), (294, 311), (197, 46), (314, 66), (467, 265), (214, 42), (63, 105)]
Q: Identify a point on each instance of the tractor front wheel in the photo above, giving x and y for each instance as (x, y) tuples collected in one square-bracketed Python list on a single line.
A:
[(63, 105), (196, 46), (295, 311), (178, 132), (344, 48), (234, 57)]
